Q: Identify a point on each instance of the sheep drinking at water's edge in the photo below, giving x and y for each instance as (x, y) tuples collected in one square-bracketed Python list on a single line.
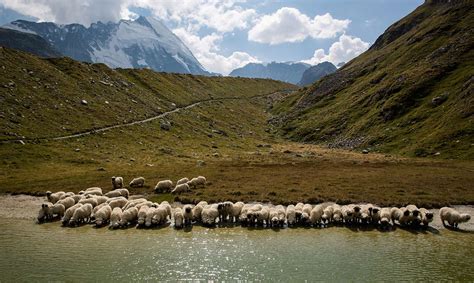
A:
[(452, 216), (122, 212)]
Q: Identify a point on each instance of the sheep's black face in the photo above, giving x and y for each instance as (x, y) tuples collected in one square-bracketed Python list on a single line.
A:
[(429, 215), (356, 209), (349, 214), (416, 213), (48, 194), (406, 213), (375, 210), (188, 210)]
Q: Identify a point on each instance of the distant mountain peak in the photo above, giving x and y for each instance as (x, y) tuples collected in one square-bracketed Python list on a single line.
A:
[(283, 71), (141, 43)]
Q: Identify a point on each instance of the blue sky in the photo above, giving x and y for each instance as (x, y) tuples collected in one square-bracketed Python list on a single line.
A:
[(227, 34)]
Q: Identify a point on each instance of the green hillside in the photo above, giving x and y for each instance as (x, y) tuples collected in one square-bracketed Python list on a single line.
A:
[(411, 93)]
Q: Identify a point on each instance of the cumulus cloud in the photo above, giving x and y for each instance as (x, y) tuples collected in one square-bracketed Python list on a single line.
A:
[(343, 50), (290, 25), (206, 49), (222, 16)]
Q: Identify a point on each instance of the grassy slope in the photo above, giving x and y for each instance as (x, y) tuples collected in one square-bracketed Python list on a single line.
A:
[(382, 99), (241, 171), (45, 100)]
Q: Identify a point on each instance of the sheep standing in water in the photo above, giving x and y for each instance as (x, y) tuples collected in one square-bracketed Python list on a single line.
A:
[(328, 213), (102, 216), (142, 213), (129, 216), (415, 215), (115, 218), (69, 213), (81, 215), (385, 216), (316, 215), (426, 216), (290, 215), (45, 212), (188, 214), (236, 210), (197, 210), (117, 182), (452, 216), (178, 216), (209, 215)]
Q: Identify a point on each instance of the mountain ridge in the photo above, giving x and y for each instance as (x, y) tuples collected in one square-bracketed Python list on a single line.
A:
[(411, 93), (141, 43), (289, 72)]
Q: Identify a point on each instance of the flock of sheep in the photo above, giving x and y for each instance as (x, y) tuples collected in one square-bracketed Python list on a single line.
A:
[(120, 210)]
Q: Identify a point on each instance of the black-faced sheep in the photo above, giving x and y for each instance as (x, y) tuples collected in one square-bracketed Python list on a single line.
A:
[(117, 182), (452, 216), (54, 197)]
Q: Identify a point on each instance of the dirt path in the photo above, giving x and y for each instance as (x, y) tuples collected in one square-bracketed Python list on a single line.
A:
[(26, 207), (162, 115)]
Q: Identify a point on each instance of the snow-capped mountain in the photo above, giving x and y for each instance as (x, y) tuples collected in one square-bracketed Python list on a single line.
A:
[(141, 43)]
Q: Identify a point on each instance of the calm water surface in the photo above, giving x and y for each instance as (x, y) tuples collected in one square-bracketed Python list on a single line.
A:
[(48, 252)]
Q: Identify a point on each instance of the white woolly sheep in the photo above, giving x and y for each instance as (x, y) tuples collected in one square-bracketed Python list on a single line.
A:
[(327, 214), (337, 213), (166, 205), (117, 182), (149, 216), (117, 202), (178, 217), (81, 215), (67, 202), (160, 216), (93, 191), (188, 214), (209, 215), (290, 215), (68, 194), (452, 216), (426, 216), (224, 209), (235, 211), (91, 201), (181, 188), (142, 212), (134, 203), (58, 209), (347, 214), (54, 197), (115, 218), (129, 216), (182, 181), (69, 213), (197, 209), (77, 198), (96, 208), (198, 182), (316, 215), (137, 182), (164, 186), (102, 216)]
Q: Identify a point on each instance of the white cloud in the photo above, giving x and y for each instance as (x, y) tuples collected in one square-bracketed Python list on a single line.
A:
[(70, 11), (222, 16), (290, 25), (205, 50), (343, 50)]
